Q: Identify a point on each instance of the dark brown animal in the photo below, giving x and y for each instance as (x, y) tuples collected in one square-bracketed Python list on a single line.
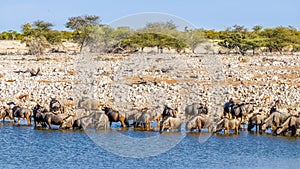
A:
[(115, 116), (39, 115), (55, 105), (241, 111), (169, 112), (227, 108)]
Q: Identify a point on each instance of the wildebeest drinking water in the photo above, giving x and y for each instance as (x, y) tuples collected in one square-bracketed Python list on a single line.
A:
[(241, 111)]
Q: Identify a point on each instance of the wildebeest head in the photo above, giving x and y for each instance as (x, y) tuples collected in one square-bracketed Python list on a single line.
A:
[(54, 105), (169, 112), (203, 109)]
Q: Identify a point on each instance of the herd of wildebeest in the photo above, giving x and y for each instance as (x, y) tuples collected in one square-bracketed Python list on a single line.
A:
[(278, 120)]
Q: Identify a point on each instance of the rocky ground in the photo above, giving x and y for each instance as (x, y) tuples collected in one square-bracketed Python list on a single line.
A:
[(130, 82)]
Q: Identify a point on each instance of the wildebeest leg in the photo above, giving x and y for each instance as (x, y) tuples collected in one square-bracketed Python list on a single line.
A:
[(236, 130), (19, 121), (122, 119), (199, 127), (110, 123), (259, 127), (225, 131), (28, 121), (49, 123)]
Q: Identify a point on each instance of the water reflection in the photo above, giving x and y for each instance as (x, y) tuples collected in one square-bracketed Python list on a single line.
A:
[(26, 147)]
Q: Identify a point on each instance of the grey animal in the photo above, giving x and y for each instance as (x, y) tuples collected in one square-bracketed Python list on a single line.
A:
[(96, 120), (20, 112), (82, 123), (68, 122), (292, 123), (274, 120), (146, 117), (228, 124), (54, 119), (171, 123), (199, 122), (256, 120), (195, 109), (89, 104)]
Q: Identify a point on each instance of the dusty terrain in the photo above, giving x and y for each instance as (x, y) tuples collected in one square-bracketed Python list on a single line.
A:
[(128, 82)]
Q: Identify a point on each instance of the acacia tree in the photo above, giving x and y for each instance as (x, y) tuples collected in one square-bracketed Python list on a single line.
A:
[(39, 35), (83, 26)]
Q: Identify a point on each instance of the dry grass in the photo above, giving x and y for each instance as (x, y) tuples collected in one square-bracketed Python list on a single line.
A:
[(10, 80), (52, 81), (26, 96), (71, 72), (255, 76), (167, 80), (150, 79)]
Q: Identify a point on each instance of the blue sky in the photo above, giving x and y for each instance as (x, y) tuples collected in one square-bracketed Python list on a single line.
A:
[(208, 14)]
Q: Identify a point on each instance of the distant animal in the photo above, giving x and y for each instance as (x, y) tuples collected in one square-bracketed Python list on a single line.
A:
[(101, 121), (146, 117), (20, 112), (171, 123), (82, 123), (169, 112), (241, 111), (54, 119), (195, 109), (55, 105), (94, 120), (292, 123), (227, 108), (115, 116), (199, 122), (39, 115), (89, 104), (4, 113), (274, 120), (256, 120), (228, 124)]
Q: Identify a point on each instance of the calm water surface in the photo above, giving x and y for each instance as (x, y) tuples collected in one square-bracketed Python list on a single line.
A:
[(26, 147)]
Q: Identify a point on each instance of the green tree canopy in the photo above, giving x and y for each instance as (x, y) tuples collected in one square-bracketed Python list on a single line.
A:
[(84, 27)]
